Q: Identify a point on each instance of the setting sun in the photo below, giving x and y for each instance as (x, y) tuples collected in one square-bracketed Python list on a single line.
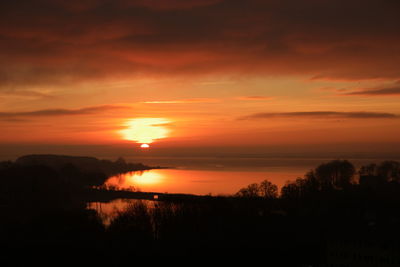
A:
[(145, 130)]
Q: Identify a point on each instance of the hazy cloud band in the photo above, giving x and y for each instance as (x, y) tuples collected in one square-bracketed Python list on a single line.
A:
[(61, 112), (377, 92), (322, 114)]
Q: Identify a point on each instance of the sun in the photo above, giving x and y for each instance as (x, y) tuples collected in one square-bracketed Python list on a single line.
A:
[(145, 130)]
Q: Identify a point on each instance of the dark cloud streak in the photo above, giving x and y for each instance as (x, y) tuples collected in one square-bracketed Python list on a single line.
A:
[(376, 92), (322, 115), (59, 112)]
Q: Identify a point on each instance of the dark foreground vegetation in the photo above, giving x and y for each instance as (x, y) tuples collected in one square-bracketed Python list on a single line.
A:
[(333, 216)]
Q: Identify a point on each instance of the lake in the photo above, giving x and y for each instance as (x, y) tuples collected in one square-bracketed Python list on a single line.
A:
[(215, 176), (199, 182), (201, 176)]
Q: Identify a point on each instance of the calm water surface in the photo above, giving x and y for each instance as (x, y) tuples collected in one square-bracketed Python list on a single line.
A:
[(216, 176), (108, 211), (200, 182)]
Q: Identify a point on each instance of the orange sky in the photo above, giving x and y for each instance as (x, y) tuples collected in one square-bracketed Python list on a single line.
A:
[(216, 73)]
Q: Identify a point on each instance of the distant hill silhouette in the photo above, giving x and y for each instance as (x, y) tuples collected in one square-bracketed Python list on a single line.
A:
[(84, 164), (58, 161)]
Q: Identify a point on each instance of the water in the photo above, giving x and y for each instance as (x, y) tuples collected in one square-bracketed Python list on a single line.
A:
[(200, 182), (216, 176), (108, 211), (201, 176)]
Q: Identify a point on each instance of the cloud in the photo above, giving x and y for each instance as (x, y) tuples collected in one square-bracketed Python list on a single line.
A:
[(175, 4), (256, 98), (25, 93), (47, 42), (376, 92), (322, 115), (59, 112), (184, 101)]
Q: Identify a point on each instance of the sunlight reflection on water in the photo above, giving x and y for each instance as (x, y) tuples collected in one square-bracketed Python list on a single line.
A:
[(200, 182), (216, 176), (109, 210)]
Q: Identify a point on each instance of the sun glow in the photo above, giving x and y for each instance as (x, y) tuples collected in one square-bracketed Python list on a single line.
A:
[(145, 130), (147, 178), (135, 180)]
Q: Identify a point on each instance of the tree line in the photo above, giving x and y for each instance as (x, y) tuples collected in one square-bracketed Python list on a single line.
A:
[(335, 175)]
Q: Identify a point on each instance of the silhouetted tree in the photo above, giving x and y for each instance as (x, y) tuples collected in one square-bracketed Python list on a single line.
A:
[(336, 174), (389, 171), (252, 190), (265, 189), (376, 175), (368, 170), (300, 188), (311, 184), (290, 191), (268, 189)]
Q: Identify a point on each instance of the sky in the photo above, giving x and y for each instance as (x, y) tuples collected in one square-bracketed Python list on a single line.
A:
[(200, 75)]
